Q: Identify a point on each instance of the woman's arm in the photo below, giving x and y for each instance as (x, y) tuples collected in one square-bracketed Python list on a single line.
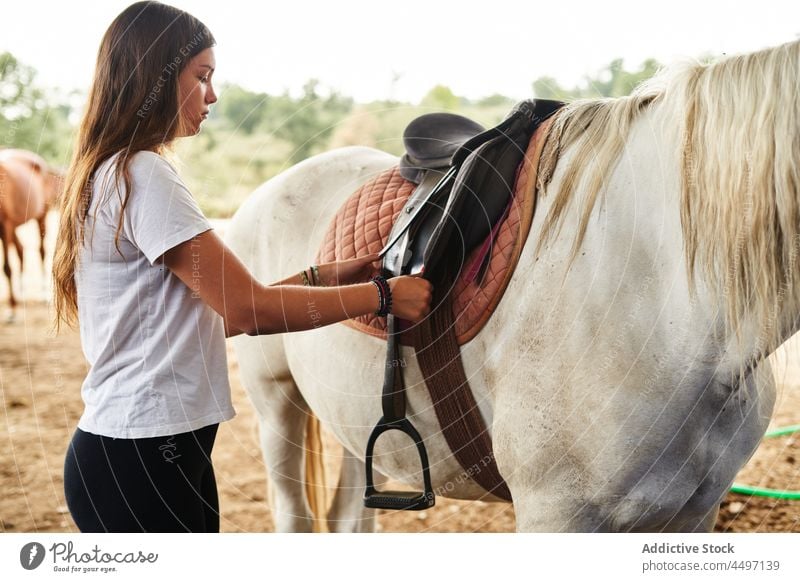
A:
[(346, 272), (357, 269), (230, 331), (208, 267)]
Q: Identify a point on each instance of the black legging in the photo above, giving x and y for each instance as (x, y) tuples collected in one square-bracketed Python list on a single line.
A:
[(161, 484)]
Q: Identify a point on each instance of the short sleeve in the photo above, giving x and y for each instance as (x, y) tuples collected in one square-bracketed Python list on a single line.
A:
[(161, 212)]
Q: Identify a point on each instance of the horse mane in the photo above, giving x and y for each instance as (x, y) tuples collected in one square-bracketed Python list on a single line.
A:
[(735, 125)]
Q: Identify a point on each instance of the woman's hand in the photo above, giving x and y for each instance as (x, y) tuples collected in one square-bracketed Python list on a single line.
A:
[(349, 272), (411, 297)]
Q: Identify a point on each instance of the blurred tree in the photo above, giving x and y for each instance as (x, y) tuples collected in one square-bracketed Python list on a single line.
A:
[(18, 96), (306, 123), (359, 128), (617, 82), (243, 109), (441, 97), (548, 88), (612, 81), (30, 118), (495, 100), (252, 136)]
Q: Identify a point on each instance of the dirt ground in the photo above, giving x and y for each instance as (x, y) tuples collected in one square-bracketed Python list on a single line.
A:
[(40, 379)]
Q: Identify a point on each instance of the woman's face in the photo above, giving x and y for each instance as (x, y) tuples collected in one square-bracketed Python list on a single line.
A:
[(195, 93)]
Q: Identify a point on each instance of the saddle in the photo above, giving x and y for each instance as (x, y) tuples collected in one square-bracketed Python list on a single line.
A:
[(453, 217), (465, 178)]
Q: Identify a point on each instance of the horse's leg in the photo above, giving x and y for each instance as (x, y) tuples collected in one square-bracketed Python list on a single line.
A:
[(20, 255), (282, 415), (750, 408), (347, 513), (562, 481), (5, 228), (557, 488), (549, 470), (41, 221), (281, 432)]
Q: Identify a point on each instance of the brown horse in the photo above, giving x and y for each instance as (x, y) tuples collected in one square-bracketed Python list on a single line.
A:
[(29, 187)]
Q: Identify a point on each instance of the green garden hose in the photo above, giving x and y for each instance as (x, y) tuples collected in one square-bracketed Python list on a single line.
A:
[(762, 491)]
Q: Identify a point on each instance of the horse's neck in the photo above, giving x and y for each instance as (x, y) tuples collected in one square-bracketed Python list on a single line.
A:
[(627, 287)]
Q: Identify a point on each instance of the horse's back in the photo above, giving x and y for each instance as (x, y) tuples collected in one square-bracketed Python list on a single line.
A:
[(31, 159), (280, 226)]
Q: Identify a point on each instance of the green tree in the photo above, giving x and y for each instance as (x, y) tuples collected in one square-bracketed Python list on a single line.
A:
[(495, 100), (618, 82), (359, 128), (243, 109), (612, 81), (18, 96), (441, 97), (548, 88), (307, 122), (30, 118)]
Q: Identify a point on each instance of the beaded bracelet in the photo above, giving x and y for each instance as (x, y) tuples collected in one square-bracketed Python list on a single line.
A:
[(384, 296)]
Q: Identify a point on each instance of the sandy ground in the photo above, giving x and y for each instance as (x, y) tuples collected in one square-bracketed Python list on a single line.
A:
[(40, 378)]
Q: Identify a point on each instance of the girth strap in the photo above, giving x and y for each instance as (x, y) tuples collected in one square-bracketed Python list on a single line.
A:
[(456, 409)]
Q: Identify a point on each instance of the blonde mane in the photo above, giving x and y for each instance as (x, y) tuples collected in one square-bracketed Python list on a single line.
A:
[(736, 124)]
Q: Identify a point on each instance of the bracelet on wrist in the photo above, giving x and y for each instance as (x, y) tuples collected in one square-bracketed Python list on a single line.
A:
[(384, 295)]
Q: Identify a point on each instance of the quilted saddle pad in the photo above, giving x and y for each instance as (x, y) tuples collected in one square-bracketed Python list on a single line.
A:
[(361, 226)]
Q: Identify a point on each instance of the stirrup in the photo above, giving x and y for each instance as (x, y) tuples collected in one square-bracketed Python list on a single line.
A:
[(398, 500)]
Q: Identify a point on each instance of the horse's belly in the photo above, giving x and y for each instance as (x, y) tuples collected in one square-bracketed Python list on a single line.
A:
[(21, 194), (340, 374)]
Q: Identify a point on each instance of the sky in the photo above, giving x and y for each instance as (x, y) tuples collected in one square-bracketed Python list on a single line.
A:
[(401, 49)]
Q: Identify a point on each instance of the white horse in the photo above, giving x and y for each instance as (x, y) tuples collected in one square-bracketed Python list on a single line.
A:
[(623, 376)]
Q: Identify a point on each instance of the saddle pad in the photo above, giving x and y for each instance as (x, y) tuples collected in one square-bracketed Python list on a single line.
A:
[(362, 226)]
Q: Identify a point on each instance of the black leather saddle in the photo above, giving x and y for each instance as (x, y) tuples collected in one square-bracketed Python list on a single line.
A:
[(465, 178), (431, 141)]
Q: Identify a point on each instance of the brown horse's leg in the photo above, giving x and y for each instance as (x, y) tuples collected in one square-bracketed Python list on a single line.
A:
[(42, 235), (42, 232), (20, 255), (5, 228), (20, 251)]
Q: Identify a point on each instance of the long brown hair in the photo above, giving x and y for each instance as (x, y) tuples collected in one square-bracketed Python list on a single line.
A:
[(132, 106)]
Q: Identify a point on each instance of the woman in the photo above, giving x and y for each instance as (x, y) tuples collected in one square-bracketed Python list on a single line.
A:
[(156, 291)]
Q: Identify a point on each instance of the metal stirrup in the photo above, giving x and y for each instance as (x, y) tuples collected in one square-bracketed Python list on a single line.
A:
[(393, 401)]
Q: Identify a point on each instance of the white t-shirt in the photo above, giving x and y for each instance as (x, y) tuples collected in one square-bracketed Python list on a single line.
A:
[(156, 350)]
